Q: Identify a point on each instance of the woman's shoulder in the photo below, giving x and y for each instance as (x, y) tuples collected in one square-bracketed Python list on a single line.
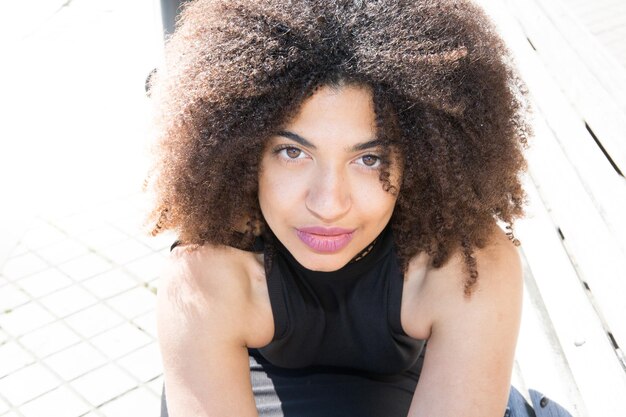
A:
[(210, 267), (215, 280), (498, 261), (438, 293)]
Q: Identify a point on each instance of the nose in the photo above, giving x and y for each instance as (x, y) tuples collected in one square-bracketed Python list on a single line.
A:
[(329, 198)]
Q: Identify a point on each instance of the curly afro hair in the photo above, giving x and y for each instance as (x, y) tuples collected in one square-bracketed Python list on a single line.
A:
[(445, 92)]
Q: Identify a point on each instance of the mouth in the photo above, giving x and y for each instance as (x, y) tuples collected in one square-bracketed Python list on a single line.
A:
[(325, 240)]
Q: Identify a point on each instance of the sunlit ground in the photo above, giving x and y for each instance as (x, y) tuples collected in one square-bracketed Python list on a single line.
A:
[(73, 113), (77, 277)]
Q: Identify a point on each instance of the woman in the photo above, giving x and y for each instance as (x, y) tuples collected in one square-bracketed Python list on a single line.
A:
[(335, 172)]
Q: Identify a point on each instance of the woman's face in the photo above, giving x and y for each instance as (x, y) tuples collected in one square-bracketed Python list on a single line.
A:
[(319, 187)]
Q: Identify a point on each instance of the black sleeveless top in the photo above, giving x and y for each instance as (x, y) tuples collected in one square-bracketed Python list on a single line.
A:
[(349, 318)]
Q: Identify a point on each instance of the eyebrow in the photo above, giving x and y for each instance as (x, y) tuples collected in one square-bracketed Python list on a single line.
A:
[(355, 148)]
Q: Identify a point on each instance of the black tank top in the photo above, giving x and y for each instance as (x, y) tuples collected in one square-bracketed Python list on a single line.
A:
[(349, 318)]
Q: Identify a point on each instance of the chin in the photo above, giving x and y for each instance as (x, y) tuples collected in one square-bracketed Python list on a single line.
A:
[(324, 263)]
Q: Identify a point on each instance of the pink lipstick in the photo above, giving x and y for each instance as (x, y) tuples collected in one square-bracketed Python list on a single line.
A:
[(325, 239)]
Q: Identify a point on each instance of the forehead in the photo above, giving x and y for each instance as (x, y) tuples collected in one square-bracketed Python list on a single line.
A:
[(336, 114)]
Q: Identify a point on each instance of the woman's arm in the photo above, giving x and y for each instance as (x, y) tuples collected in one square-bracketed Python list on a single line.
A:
[(201, 323), (468, 363)]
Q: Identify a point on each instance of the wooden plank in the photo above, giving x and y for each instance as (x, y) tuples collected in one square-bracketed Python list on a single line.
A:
[(607, 14), (540, 361), (587, 189), (585, 7), (599, 179), (603, 26), (614, 19), (615, 36), (569, 307), (599, 378), (592, 79), (595, 252)]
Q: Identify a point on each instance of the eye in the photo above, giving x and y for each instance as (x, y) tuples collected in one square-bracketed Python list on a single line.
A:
[(289, 153), (292, 153), (370, 161)]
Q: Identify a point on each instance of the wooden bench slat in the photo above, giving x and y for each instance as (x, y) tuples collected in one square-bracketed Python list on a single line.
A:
[(570, 311), (540, 360), (586, 348), (591, 78), (567, 194)]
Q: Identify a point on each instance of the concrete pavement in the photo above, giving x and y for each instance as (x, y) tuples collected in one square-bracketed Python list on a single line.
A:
[(77, 273)]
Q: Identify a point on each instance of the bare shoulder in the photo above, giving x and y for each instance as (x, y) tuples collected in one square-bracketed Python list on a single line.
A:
[(207, 270), (212, 283), (438, 293), (471, 338), (498, 265), (207, 315)]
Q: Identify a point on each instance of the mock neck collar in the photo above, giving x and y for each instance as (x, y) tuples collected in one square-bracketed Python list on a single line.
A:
[(360, 264)]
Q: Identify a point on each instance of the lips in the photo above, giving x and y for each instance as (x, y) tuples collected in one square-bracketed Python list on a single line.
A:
[(325, 239)]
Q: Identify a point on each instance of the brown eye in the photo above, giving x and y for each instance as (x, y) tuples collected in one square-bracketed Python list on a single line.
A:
[(293, 153), (370, 160)]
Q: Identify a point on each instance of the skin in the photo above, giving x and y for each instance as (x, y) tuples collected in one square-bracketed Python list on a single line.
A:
[(213, 301)]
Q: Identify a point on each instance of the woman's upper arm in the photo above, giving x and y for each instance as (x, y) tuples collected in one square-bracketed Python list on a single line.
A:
[(205, 359), (468, 362)]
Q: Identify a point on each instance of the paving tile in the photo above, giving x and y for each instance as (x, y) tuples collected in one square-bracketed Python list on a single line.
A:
[(132, 224), (27, 383), (41, 236), (49, 339), (60, 402), (121, 340), (102, 237), (78, 223), (22, 265), (103, 384), (133, 302), (125, 251), (137, 200), (114, 209), (110, 283), (93, 320), (75, 361), (25, 318), (13, 357), (11, 297), (62, 251), (85, 266), (147, 323), (44, 282), (145, 363), (148, 268), (138, 402), (19, 250), (68, 301)]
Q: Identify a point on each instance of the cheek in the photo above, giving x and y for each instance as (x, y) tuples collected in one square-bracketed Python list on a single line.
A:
[(371, 199), (277, 191)]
